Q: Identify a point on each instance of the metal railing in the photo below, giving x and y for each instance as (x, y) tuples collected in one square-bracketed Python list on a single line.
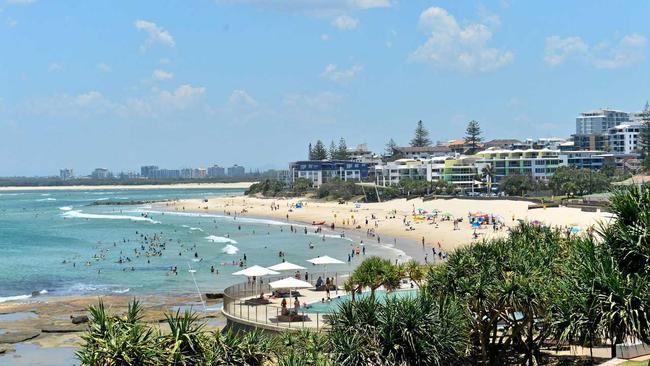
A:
[(270, 315)]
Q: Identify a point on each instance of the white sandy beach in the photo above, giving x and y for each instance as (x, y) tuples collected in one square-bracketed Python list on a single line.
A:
[(237, 185), (390, 216)]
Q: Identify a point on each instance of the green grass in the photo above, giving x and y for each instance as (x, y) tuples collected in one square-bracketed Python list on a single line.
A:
[(634, 363)]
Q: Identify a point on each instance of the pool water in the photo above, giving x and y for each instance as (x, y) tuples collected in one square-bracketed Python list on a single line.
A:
[(332, 306)]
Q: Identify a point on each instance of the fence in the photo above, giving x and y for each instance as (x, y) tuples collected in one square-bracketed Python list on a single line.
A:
[(268, 315)]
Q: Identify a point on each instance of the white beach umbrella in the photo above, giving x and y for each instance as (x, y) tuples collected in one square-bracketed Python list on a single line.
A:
[(286, 266), (255, 271), (290, 283), (324, 261)]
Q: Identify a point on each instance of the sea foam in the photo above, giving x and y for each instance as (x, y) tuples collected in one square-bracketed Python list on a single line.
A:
[(220, 239), (82, 215), (230, 249)]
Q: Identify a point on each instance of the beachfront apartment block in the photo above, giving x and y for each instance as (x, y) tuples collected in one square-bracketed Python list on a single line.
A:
[(362, 154), (460, 171), (538, 163), (323, 171), (599, 121), (101, 173), (236, 171), (216, 171), (66, 174), (624, 138)]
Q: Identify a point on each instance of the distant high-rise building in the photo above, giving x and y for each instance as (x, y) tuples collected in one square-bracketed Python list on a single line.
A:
[(167, 174), (149, 171), (101, 173), (236, 171), (66, 174), (599, 121), (216, 171)]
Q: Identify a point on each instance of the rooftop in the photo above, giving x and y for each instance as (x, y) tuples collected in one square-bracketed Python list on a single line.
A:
[(417, 149)]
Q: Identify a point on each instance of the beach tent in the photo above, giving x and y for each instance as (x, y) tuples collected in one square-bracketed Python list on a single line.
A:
[(286, 266)]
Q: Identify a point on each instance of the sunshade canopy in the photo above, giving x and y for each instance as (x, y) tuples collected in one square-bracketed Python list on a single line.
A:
[(255, 271), (290, 282), (286, 266), (324, 260)]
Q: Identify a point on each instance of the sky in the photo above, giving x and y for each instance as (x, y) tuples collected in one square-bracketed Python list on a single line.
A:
[(120, 84)]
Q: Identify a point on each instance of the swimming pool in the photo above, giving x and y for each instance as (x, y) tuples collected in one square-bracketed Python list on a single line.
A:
[(331, 306)]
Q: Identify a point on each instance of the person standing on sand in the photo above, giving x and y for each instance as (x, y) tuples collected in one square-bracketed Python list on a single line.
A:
[(423, 242)]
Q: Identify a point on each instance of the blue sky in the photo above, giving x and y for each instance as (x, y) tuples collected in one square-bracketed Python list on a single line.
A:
[(120, 84)]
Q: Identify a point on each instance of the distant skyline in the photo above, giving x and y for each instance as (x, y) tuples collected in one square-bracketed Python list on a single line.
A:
[(120, 84)]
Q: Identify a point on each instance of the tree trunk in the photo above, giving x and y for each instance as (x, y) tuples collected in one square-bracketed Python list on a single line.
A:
[(484, 344)]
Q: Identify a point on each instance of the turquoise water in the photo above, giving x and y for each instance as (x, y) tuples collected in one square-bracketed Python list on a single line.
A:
[(331, 306), (55, 243)]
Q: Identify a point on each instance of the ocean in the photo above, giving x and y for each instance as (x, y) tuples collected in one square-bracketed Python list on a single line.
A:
[(58, 243)]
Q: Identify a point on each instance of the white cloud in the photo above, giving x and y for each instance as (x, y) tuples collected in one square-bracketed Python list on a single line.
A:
[(241, 99), (162, 103), (182, 97), (345, 22), (156, 34), (626, 51), (55, 66), (87, 99), (324, 37), (11, 23), (103, 67), (452, 46), (162, 75), (333, 73)]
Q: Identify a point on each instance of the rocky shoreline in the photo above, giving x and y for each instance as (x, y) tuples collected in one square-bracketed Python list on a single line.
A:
[(59, 322)]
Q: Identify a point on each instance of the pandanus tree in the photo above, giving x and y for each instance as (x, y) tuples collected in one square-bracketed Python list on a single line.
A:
[(418, 330), (373, 273), (507, 286), (610, 276)]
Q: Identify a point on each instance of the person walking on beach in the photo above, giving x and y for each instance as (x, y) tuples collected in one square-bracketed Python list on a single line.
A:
[(423, 242)]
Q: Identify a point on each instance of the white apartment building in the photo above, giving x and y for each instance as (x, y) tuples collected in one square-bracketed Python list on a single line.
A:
[(393, 172), (599, 121), (624, 138), (538, 163), (460, 171), (362, 154)]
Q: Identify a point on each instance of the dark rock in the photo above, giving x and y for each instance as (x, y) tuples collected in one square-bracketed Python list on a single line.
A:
[(214, 296), (5, 348), (79, 319), (64, 328)]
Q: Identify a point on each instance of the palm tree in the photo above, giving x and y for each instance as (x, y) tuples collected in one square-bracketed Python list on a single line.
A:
[(488, 174), (415, 271)]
